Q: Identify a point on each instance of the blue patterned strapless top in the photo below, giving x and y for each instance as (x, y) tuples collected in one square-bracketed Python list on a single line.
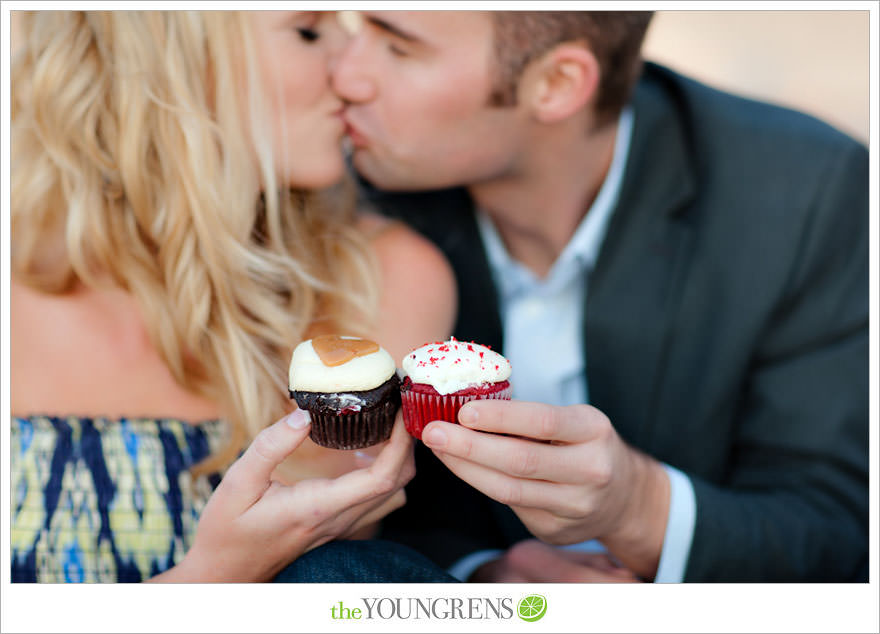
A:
[(106, 500)]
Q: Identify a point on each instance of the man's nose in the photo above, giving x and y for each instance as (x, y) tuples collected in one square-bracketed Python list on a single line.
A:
[(349, 75)]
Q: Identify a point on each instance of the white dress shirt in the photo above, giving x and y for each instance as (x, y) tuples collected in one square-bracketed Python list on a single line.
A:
[(543, 339)]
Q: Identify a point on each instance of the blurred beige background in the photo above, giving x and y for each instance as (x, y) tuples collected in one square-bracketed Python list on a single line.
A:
[(815, 61)]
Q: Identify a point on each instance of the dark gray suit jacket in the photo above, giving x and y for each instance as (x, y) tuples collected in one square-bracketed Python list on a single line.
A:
[(726, 333)]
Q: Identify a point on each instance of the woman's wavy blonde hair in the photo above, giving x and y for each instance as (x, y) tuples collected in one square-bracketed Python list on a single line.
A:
[(133, 143)]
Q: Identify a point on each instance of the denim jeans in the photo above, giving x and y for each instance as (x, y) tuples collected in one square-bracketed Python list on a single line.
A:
[(363, 561)]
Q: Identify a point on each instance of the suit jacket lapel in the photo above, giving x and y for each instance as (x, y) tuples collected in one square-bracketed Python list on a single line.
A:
[(634, 290), (479, 318)]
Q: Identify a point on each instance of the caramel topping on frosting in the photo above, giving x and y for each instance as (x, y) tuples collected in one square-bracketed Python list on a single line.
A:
[(333, 350)]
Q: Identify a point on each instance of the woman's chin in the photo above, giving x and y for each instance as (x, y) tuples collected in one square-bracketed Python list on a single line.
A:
[(319, 176)]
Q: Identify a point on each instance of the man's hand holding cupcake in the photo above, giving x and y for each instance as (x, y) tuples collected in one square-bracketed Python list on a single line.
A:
[(564, 471)]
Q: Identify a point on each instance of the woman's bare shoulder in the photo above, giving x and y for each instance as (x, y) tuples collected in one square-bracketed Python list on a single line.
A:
[(397, 244), (87, 352), (419, 294)]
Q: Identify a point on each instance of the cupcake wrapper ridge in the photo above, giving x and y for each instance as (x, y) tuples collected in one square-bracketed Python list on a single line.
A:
[(356, 430), (420, 409)]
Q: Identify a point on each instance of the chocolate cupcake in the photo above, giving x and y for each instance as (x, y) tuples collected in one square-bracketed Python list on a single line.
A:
[(349, 387), (444, 375)]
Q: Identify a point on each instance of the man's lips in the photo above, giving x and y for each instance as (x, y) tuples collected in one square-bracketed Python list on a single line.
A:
[(358, 138)]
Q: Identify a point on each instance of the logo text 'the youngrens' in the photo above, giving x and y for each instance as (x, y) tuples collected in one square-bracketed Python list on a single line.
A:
[(440, 608)]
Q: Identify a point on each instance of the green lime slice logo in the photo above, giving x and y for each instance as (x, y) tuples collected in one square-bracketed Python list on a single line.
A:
[(532, 607)]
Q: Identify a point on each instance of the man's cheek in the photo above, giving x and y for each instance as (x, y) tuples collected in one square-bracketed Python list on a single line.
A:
[(403, 139)]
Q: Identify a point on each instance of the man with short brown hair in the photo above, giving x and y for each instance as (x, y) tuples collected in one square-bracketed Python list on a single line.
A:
[(678, 276)]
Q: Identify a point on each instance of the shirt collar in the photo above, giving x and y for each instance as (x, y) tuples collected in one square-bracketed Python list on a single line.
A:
[(583, 248)]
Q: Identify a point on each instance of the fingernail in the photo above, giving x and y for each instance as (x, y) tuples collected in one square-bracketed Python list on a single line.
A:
[(364, 459), (298, 419), (467, 415), (434, 438)]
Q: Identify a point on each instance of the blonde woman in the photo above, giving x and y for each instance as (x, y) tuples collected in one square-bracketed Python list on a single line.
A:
[(173, 240)]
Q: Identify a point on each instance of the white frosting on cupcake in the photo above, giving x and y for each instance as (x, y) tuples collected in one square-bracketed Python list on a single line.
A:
[(454, 365), (308, 373)]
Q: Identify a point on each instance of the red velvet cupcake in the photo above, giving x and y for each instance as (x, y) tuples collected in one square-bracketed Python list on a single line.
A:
[(443, 376)]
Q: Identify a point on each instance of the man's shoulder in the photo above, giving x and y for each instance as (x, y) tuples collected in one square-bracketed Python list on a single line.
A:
[(749, 160), (759, 177), (718, 120)]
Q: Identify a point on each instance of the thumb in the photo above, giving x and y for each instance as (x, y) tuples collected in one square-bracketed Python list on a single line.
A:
[(250, 475)]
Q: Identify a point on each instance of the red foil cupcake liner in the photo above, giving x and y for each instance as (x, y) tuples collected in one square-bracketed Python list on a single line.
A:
[(420, 409)]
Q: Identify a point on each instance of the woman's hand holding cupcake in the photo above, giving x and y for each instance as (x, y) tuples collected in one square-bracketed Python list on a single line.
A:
[(254, 526)]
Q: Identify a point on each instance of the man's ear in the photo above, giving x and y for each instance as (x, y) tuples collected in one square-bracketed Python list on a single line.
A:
[(561, 82)]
